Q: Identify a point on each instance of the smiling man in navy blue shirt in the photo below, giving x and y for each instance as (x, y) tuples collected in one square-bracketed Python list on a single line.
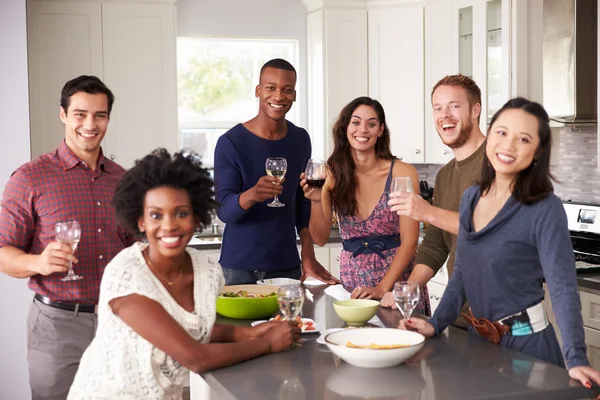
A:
[(258, 237)]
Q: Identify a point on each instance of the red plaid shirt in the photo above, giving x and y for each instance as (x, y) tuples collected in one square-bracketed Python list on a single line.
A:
[(57, 187)]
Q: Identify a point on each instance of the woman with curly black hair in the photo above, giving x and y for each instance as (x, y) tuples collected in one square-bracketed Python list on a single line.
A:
[(156, 314)]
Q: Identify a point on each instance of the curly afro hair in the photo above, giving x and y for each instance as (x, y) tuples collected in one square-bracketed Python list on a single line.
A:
[(183, 170)]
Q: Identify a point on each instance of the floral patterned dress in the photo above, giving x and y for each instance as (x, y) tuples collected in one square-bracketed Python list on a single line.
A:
[(369, 269)]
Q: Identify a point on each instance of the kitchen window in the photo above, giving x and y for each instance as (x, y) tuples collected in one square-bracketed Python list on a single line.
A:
[(216, 78)]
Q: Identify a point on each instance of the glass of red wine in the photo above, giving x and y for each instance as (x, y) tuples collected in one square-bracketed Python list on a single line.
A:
[(315, 173)]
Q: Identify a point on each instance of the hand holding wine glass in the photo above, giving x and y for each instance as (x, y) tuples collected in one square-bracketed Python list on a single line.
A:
[(276, 167), (69, 233)]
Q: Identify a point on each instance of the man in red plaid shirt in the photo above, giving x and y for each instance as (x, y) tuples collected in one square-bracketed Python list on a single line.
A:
[(74, 182)]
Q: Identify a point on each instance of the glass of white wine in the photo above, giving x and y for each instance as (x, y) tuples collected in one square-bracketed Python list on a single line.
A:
[(276, 167), (407, 295), (69, 233), (290, 299)]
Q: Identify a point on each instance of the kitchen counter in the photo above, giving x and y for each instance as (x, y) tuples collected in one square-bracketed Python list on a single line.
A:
[(589, 279), (213, 242), (454, 366)]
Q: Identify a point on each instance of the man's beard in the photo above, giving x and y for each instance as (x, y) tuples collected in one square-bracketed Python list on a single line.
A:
[(463, 136)]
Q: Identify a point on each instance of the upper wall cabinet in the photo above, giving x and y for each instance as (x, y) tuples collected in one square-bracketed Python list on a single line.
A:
[(438, 63), (130, 46), (481, 48), (396, 75), (337, 68)]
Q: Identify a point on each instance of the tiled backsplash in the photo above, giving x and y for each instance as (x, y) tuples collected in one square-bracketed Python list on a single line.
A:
[(427, 172), (577, 173)]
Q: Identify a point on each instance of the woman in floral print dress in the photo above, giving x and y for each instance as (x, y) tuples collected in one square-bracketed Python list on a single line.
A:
[(379, 246)]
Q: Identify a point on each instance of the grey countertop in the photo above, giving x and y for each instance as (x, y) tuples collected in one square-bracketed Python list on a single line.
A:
[(454, 366), (589, 279)]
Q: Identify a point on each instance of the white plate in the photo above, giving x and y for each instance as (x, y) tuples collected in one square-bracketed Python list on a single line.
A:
[(321, 339), (316, 326)]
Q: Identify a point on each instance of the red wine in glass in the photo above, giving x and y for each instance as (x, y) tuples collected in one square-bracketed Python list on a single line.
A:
[(315, 173), (317, 183)]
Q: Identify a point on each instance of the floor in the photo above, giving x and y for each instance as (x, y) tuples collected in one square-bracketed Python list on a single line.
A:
[(186, 393)]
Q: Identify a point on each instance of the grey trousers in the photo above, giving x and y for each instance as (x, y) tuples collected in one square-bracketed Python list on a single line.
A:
[(56, 340)]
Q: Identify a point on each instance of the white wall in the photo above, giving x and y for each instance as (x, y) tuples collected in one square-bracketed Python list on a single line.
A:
[(283, 19), (14, 151)]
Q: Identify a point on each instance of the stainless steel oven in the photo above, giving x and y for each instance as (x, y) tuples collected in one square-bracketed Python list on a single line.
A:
[(584, 228)]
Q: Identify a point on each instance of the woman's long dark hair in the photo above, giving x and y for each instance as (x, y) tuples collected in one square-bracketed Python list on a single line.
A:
[(534, 182), (341, 164)]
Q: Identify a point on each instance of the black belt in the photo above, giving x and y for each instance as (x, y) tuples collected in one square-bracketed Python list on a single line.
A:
[(66, 305)]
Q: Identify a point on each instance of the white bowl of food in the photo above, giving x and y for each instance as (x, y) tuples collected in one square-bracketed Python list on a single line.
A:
[(279, 282), (374, 347)]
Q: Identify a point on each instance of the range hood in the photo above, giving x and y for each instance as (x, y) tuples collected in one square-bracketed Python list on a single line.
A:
[(570, 60)]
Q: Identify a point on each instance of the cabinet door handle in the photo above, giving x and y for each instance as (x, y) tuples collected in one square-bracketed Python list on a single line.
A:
[(417, 151), (112, 156), (446, 152), (337, 258)]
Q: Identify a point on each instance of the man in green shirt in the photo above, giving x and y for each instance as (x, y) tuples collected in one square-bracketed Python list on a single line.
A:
[(456, 101)]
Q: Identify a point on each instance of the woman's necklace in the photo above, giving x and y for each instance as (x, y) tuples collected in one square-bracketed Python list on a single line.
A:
[(170, 283)]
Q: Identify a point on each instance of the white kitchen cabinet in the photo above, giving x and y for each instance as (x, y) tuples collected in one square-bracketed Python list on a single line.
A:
[(321, 254), (337, 67), (130, 46), (436, 291), (481, 48), (64, 40), (396, 47), (335, 251), (438, 64)]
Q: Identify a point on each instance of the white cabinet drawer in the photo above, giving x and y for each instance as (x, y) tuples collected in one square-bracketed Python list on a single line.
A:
[(592, 339), (590, 309)]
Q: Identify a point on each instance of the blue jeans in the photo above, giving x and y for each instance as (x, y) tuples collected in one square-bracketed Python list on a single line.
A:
[(241, 277)]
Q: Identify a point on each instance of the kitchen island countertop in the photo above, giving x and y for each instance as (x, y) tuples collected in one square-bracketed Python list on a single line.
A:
[(454, 366)]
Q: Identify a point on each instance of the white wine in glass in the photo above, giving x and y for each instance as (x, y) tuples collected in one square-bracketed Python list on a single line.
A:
[(276, 167), (290, 299), (69, 233)]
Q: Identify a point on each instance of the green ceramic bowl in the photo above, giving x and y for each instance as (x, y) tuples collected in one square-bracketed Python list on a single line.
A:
[(248, 308), (356, 312)]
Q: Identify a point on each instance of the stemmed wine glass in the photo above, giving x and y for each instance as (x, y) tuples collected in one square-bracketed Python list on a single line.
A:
[(69, 233), (290, 299), (276, 167), (406, 295), (315, 173)]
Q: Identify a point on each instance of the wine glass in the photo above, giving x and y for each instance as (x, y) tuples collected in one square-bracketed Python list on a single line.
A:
[(315, 173), (401, 184), (406, 295), (290, 299), (276, 167), (69, 233)]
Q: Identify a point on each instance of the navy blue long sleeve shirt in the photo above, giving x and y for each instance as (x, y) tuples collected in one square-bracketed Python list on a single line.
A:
[(500, 269), (260, 238)]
